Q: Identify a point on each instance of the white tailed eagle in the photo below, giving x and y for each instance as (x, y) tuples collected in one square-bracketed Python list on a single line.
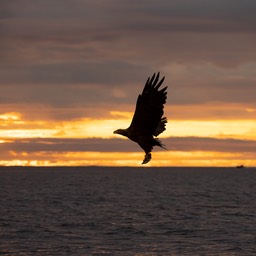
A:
[(147, 121)]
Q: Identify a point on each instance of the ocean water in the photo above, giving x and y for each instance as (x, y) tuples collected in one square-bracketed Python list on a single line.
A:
[(127, 211)]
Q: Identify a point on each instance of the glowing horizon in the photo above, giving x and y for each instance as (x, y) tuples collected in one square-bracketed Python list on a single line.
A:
[(86, 128), (164, 159)]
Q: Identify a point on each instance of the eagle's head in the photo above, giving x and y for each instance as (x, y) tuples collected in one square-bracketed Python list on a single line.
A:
[(123, 132)]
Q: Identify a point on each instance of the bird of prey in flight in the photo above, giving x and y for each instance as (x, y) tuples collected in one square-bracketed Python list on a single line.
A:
[(148, 121)]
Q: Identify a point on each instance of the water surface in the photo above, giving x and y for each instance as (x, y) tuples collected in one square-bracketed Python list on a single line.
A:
[(127, 211)]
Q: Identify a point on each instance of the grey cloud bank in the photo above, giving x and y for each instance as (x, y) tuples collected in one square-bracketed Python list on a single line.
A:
[(67, 53), (120, 145)]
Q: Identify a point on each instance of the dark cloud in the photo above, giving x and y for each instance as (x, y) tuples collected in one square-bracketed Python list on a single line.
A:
[(66, 145), (220, 90), (109, 72), (179, 15), (210, 144), (84, 84), (64, 54), (120, 145)]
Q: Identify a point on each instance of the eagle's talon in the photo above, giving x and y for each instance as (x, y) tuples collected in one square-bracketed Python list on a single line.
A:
[(147, 158)]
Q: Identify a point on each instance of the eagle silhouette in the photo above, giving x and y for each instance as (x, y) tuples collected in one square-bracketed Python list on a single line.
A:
[(148, 121)]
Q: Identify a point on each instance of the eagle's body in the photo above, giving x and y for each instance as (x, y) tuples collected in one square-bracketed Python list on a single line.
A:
[(147, 121)]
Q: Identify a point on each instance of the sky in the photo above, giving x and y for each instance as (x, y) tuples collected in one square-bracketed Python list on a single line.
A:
[(71, 72)]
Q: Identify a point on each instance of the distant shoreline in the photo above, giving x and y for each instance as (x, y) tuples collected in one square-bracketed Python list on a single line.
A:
[(128, 167)]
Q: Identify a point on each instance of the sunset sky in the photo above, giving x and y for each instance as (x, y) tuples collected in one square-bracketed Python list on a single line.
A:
[(71, 71)]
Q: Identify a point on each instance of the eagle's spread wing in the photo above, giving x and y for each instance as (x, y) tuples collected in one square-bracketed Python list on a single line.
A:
[(147, 120), (149, 108)]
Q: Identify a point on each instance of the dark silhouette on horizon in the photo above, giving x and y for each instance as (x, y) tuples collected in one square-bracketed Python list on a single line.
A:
[(147, 121)]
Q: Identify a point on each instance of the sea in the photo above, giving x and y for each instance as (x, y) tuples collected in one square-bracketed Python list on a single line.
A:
[(127, 211)]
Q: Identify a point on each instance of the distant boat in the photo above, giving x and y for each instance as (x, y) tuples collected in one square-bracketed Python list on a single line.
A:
[(240, 166)]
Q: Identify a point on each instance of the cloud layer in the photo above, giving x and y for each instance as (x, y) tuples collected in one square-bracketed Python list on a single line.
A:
[(66, 61), (30, 145)]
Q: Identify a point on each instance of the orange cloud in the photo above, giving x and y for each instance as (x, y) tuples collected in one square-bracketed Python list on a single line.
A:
[(14, 126), (175, 158)]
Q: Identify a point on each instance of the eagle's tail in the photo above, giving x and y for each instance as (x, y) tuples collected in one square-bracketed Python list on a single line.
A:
[(158, 143)]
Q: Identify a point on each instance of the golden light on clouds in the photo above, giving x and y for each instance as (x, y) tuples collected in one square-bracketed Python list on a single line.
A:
[(245, 129), (13, 118), (10, 116), (103, 128), (15, 126), (27, 133), (250, 110)]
